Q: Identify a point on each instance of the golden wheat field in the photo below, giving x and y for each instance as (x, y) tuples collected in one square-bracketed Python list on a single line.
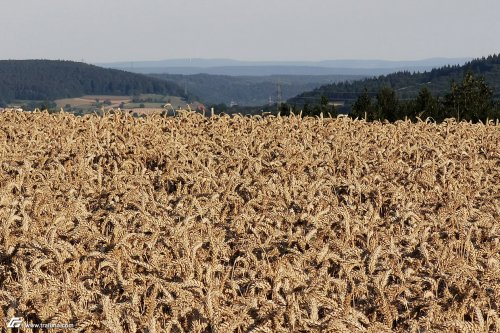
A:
[(249, 224)]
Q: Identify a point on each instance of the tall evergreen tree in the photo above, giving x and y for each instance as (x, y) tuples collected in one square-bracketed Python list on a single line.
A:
[(470, 100), (386, 106), (427, 105), (363, 107)]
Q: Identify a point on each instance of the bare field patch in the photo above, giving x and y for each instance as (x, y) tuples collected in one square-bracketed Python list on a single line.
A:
[(90, 100), (107, 97), (249, 224)]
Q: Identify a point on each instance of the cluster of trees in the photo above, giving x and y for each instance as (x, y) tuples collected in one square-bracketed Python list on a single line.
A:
[(54, 79), (470, 100)]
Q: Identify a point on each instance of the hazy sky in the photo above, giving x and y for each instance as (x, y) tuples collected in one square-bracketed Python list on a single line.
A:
[(113, 30)]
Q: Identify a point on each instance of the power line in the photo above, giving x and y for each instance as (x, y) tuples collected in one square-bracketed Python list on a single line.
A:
[(279, 97)]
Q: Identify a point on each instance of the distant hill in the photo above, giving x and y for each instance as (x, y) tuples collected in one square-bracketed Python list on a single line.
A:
[(249, 90), (260, 68), (408, 84), (54, 79)]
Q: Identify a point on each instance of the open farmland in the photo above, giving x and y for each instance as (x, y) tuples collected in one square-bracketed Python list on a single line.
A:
[(144, 104), (90, 100), (249, 224)]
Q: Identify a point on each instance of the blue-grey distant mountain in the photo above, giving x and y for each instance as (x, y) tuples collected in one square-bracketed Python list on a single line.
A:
[(259, 68)]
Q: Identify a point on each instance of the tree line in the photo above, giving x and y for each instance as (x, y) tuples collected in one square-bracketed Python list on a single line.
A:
[(472, 99), (469, 100)]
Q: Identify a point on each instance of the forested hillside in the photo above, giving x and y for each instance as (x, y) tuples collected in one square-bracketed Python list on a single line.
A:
[(408, 85), (53, 79)]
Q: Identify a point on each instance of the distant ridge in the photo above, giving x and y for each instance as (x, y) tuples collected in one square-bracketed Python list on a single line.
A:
[(258, 68), (53, 79)]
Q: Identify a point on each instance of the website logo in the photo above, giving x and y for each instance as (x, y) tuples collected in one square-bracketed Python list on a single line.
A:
[(15, 322)]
